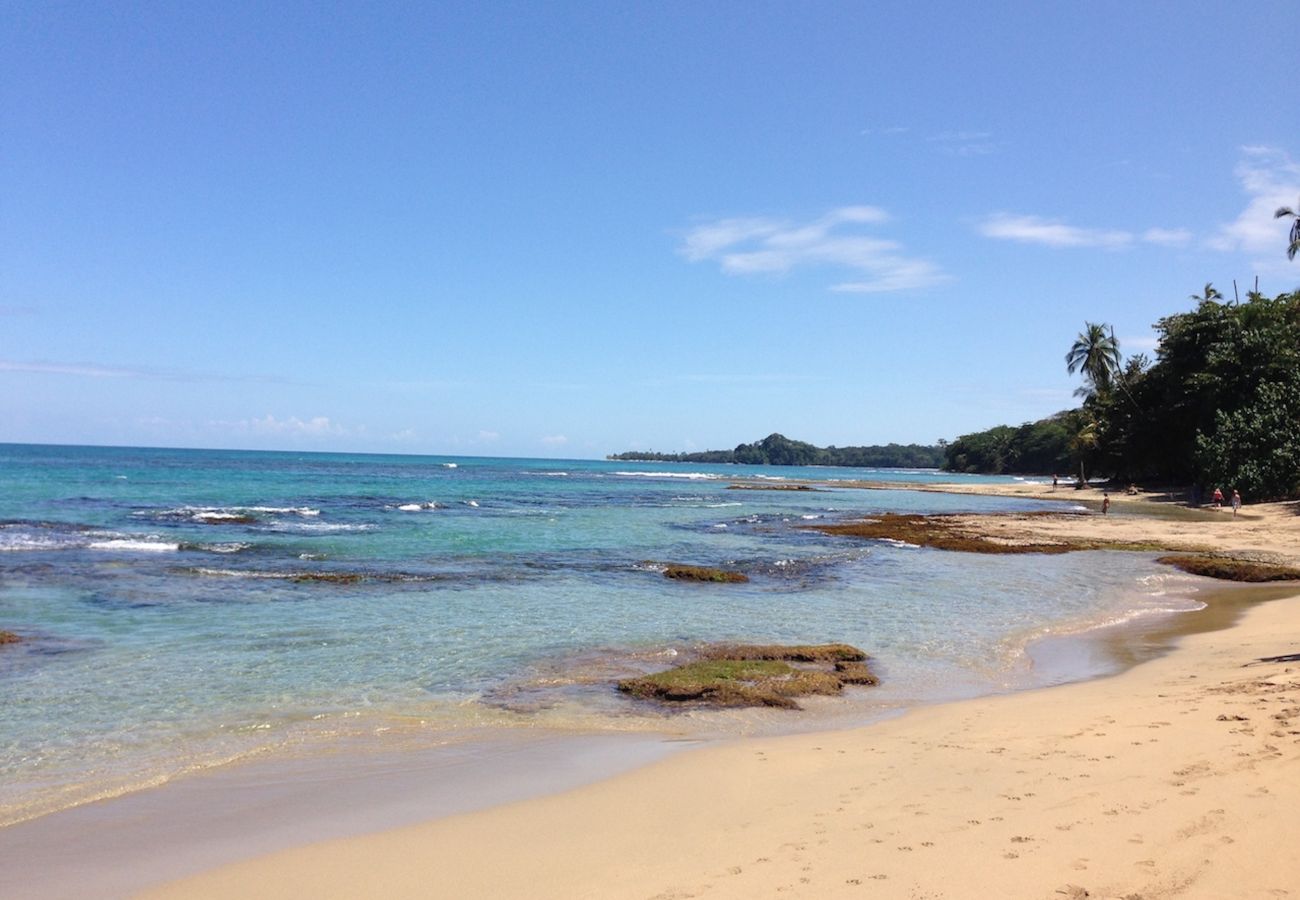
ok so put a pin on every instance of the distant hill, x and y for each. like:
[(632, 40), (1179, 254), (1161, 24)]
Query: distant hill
[(779, 450)]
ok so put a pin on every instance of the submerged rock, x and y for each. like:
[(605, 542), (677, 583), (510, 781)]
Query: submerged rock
[(9, 637), (704, 573), (756, 675)]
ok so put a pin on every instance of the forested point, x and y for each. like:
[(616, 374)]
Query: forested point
[(1219, 406), (779, 450)]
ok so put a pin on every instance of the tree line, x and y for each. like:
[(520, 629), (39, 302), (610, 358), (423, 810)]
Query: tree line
[(1219, 405), (779, 450)]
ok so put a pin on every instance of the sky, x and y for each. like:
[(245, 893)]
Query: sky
[(569, 229)]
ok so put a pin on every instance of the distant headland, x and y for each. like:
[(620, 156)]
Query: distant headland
[(779, 450)]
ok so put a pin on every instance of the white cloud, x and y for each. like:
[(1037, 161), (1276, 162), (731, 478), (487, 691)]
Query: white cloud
[(1269, 178), (1037, 230), (751, 246), (317, 426), (555, 440), (489, 436)]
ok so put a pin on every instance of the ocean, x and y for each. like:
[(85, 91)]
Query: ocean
[(184, 609)]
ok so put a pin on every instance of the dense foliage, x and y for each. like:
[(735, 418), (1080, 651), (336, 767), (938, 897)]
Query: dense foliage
[(779, 450), (1219, 406)]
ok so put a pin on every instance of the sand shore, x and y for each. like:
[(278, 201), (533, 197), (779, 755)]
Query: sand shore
[(1180, 777)]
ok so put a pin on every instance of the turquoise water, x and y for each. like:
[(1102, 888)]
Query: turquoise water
[(182, 608)]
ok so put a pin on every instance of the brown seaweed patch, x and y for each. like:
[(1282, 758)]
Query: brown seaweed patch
[(771, 487), (774, 676), (1228, 569), (328, 578), (790, 653), (940, 532), (953, 531), (9, 637), (704, 573)]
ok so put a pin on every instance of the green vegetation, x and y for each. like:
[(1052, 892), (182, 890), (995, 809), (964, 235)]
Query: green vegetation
[(1293, 239), (779, 450), (1219, 406), (767, 675), (1231, 569), (704, 573)]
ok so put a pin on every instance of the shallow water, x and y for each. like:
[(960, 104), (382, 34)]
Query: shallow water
[(184, 608)]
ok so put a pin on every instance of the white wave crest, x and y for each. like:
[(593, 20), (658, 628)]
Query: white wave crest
[(320, 527), (133, 545), (691, 476)]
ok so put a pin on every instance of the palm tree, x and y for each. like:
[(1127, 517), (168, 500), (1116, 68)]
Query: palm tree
[(1210, 293), (1083, 443), (1286, 212), (1096, 354)]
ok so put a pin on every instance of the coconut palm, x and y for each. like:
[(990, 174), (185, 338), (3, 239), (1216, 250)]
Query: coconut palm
[(1096, 354), (1210, 293), (1286, 212), (1083, 444)]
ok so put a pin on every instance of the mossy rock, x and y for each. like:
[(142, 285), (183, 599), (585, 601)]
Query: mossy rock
[(1227, 569), (328, 578), (704, 573), (9, 637), (944, 532), (772, 676), (788, 653)]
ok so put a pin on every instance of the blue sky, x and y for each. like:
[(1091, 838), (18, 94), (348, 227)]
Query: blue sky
[(568, 229)]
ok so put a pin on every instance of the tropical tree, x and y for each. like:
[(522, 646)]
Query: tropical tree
[(1096, 354), (1083, 445), (1286, 212), (1210, 293)]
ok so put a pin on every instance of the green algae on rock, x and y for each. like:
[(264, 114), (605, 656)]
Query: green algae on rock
[(757, 675), (704, 573)]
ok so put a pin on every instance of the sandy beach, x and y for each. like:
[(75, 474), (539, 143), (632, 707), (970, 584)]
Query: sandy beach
[(1175, 778)]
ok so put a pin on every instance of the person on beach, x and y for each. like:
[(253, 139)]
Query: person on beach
[(1105, 502), (1218, 498), (1236, 502), (1053, 481)]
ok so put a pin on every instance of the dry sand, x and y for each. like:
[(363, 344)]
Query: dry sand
[(1178, 778)]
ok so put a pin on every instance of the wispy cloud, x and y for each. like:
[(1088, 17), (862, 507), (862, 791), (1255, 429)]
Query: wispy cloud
[(767, 246), (1050, 233), (97, 370), (316, 426), (554, 440), (85, 370), (1270, 178), (1055, 233), (965, 143)]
